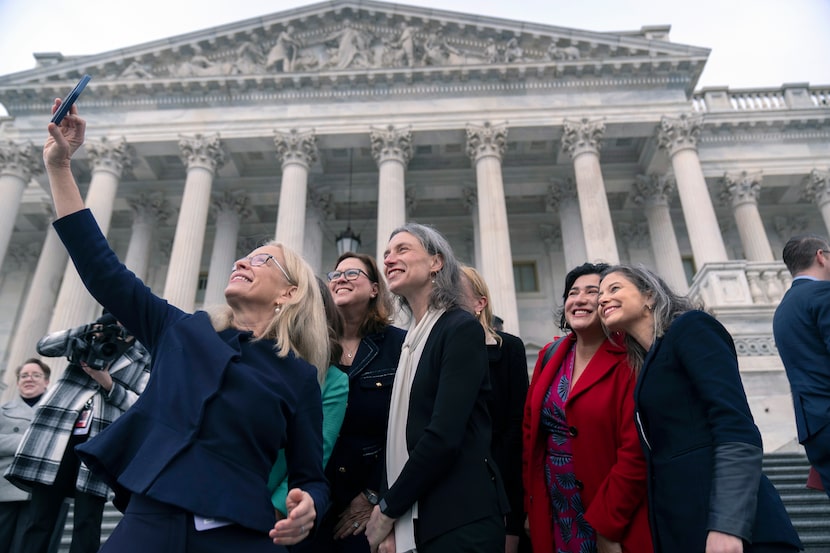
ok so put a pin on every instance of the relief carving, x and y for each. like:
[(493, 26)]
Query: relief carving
[(346, 45)]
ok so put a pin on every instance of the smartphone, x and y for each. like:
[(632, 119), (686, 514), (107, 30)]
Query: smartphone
[(63, 109)]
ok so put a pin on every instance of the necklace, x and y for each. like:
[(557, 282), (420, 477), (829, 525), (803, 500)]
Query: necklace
[(350, 354)]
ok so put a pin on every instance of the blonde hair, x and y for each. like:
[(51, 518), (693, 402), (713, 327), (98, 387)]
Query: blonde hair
[(480, 288), (300, 326)]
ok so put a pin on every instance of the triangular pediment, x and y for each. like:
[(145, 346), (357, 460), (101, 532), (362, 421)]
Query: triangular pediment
[(344, 42)]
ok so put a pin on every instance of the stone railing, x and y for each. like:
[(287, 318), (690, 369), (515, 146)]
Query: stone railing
[(740, 284), (789, 96), (743, 296)]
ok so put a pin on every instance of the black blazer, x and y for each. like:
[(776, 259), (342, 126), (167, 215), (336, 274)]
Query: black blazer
[(690, 405), (802, 336), (449, 471)]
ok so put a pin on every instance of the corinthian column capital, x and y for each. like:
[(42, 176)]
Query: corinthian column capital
[(235, 204), (741, 188), (653, 189), (150, 208), (679, 133), (391, 144), (296, 147), (560, 190), (582, 136), (817, 187), (202, 151), (20, 159), (486, 140), (113, 155)]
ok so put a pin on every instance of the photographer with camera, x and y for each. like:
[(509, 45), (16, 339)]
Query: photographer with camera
[(107, 371)]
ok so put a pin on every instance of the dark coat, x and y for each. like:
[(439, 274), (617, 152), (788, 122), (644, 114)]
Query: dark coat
[(217, 408), (802, 335), (508, 389), (607, 457), (358, 457), (449, 471), (690, 406)]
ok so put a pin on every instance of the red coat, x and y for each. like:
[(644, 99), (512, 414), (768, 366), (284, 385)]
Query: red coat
[(607, 456)]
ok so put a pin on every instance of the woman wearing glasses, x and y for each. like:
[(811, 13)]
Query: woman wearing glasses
[(228, 390), (371, 348)]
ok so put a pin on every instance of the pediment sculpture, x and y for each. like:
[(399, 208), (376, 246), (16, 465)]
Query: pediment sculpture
[(347, 47)]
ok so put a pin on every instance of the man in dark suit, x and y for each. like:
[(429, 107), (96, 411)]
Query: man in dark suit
[(802, 334)]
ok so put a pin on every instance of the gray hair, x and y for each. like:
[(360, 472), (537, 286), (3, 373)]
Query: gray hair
[(446, 288), (666, 307)]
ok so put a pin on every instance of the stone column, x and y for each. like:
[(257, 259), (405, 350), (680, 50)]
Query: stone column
[(320, 209), (148, 213), (817, 190), (562, 198), (552, 238), (109, 158), (33, 321), (228, 208), (652, 193), (18, 163), (678, 136), (581, 140), (297, 151), (742, 192), (471, 205), (392, 150), (203, 156), (485, 146)]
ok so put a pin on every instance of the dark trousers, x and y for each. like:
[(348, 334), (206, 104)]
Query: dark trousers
[(45, 511), (818, 453), (481, 536), (13, 518), (150, 526)]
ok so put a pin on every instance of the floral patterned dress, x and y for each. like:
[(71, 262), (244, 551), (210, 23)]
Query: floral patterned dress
[(571, 532)]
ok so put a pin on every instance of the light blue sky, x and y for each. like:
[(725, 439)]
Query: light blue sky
[(755, 43)]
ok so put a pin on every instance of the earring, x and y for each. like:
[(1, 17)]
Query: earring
[(478, 313), (277, 309)]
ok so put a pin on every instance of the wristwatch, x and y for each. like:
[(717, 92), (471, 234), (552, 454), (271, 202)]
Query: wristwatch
[(371, 496)]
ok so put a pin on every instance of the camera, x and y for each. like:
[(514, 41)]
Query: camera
[(97, 344)]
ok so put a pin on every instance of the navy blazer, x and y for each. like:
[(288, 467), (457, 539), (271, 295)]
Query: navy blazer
[(689, 400), (449, 471), (801, 326), (217, 408)]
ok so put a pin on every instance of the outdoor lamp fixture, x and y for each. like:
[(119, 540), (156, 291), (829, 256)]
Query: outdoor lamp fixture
[(348, 241)]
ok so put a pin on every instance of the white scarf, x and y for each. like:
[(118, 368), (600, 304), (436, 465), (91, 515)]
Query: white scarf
[(397, 454)]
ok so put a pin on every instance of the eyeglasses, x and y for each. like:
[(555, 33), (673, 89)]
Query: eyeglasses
[(262, 259), (350, 274), (33, 376)]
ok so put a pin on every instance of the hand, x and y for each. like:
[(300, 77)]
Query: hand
[(718, 542), (357, 513), (511, 544), (64, 140), (378, 528), (604, 545), (299, 522), (388, 544), (102, 377)]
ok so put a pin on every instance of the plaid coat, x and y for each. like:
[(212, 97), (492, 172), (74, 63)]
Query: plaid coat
[(38, 458)]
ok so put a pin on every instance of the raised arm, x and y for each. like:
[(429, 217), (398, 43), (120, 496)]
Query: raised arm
[(64, 140)]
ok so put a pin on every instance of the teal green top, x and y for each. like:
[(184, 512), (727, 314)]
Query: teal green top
[(335, 394)]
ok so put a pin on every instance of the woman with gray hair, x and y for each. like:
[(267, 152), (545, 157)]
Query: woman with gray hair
[(703, 451), (438, 467)]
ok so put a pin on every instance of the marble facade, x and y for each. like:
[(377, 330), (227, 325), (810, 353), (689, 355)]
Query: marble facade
[(531, 147)]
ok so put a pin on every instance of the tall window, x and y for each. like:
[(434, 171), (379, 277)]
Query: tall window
[(525, 276)]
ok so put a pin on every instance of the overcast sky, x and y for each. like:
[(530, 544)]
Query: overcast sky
[(754, 43)]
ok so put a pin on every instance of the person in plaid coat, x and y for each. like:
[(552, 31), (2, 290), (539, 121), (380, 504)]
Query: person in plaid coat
[(83, 402)]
